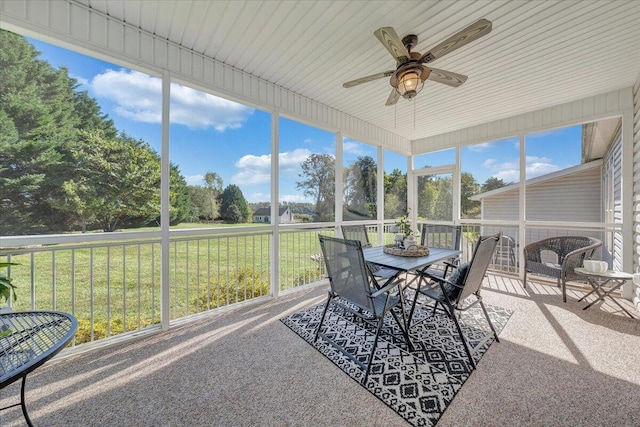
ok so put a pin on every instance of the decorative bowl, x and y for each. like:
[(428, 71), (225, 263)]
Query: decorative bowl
[(595, 266)]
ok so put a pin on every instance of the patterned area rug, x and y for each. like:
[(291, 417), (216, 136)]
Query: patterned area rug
[(419, 384)]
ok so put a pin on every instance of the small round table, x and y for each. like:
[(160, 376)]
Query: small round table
[(27, 340), (598, 280)]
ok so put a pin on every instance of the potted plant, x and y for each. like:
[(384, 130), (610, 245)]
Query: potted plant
[(7, 289), (405, 232)]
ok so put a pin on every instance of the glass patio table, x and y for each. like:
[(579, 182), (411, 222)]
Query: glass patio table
[(27, 340)]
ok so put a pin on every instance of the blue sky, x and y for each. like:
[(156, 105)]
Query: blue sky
[(211, 134)]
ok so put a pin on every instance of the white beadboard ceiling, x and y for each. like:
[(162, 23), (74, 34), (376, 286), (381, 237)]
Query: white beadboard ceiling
[(539, 54)]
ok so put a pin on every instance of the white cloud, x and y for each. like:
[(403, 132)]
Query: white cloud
[(81, 80), (194, 179), (509, 171), (295, 198), (257, 169), (353, 148), (138, 97), (308, 141), (479, 148), (489, 163), (538, 168), (258, 197)]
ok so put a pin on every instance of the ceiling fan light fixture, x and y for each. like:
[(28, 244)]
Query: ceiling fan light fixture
[(410, 83)]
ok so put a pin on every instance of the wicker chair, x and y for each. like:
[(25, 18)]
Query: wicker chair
[(571, 251)]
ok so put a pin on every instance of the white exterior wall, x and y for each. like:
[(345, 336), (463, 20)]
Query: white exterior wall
[(75, 26), (612, 199), (575, 197)]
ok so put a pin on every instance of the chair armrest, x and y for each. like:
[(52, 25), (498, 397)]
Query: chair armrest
[(440, 280), (386, 288), (573, 258)]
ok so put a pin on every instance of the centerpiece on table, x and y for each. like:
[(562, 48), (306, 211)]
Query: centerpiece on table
[(405, 235)]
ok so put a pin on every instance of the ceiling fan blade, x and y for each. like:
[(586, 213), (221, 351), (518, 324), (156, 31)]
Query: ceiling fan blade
[(461, 38), (368, 79), (446, 77), (391, 41), (393, 97)]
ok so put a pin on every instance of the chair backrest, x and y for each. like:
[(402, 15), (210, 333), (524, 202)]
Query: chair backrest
[(356, 232), (348, 274), (441, 236), (482, 256)]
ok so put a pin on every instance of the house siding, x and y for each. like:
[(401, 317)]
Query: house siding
[(612, 199), (575, 197)]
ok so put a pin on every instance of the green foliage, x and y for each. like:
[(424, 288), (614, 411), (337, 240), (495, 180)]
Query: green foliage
[(404, 225), (469, 187), (435, 200), (100, 331), (205, 200), (6, 287), (395, 193), (360, 189), (63, 165), (116, 180), (493, 183), (234, 207), (243, 284), (318, 181)]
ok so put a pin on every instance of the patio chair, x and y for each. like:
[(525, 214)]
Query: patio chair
[(505, 255), (464, 282), (444, 237), (359, 233), (354, 289), (569, 253)]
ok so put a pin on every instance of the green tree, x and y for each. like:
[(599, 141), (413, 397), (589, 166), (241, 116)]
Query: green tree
[(234, 207), (395, 194), (468, 188), (360, 188), (493, 183), (117, 180), (213, 185), (179, 196), (38, 112), (318, 182)]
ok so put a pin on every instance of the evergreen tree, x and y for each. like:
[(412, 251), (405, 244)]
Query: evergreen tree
[(234, 207)]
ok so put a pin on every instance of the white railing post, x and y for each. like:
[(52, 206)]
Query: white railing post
[(522, 205), (380, 195), (275, 204), (164, 203), (339, 185)]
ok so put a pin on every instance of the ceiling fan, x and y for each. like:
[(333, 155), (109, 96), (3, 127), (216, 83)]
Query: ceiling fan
[(410, 73)]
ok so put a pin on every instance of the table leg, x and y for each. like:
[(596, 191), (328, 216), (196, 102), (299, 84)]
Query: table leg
[(606, 293), (22, 403)]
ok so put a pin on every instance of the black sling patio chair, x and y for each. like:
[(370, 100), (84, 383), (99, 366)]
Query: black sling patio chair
[(359, 233), (353, 288), (443, 237), (465, 281)]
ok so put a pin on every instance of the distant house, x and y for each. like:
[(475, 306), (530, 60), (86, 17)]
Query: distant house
[(263, 215)]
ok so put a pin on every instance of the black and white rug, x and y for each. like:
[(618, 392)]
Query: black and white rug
[(419, 384)]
